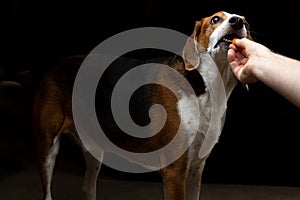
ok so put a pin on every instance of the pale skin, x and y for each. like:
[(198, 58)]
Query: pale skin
[(251, 62)]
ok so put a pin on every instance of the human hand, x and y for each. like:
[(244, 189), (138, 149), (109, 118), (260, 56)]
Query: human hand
[(239, 56)]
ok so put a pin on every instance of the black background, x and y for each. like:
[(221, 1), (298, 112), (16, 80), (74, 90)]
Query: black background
[(259, 143)]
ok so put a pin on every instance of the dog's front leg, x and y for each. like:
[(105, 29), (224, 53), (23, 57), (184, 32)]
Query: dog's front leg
[(193, 182), (173, 178)]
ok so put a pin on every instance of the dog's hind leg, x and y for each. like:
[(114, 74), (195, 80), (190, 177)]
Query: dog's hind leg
[(48, 166), (47, 150), (92, 170), (47, 147), (48, 123)]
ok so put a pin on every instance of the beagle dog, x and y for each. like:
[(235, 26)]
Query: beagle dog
[(204, 51)]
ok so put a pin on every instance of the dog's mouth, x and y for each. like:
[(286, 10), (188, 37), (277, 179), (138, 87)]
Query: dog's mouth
[(227, 39)]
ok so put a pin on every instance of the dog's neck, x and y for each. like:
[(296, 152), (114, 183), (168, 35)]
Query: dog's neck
[(219, 60)]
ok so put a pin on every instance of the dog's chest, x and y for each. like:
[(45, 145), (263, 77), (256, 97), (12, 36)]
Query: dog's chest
[(194, 113)]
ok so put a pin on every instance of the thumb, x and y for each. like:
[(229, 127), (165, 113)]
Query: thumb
[(241, 43)]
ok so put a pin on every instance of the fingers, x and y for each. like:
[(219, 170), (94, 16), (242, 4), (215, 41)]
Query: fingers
[(238, 58), (230, 55), (235, 59), (232, 46), (239, 46), (241, 43)]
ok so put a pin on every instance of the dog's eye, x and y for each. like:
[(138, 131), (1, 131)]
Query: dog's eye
[(215, 19)]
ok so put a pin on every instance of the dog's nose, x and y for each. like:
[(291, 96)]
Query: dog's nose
[(236, 22)]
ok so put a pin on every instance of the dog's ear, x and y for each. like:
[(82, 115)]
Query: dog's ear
[(191, 51), (247, 28)]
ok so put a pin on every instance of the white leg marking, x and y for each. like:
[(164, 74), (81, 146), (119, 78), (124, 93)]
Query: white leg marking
[(49, 165)]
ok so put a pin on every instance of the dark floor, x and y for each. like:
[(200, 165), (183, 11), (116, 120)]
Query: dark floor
[(19, 180), (25, 185)]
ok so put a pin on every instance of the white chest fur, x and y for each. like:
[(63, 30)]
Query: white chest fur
[(203, 114), (195, 115), (194, 112)]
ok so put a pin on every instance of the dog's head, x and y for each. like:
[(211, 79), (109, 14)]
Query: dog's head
[(214, 34)]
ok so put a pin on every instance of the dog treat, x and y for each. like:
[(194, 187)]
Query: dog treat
[(234, 41)]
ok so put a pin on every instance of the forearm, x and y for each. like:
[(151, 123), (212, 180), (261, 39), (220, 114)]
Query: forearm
[(282, 74)]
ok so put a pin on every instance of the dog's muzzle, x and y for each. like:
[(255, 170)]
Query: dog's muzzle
[(236, 23)]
